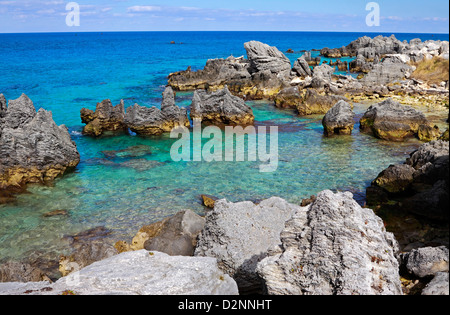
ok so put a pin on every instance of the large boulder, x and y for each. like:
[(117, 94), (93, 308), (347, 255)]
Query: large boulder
[(239, 235), (33, 149), (314, 103), (290, 97), (220, 108), (339, 120), (333, 247), (389, 120), (105, 118), (137, 273), (419, 186), (155, 121), (263, 57)]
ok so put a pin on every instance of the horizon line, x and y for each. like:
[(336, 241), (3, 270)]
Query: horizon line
[(235, 31)]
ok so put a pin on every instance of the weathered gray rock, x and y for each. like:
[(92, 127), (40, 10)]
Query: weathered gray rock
[(438, 286), (333, 247), (340, 119), (239, 235), (33, 149), (220, 108), (2, 105), (263, 57), (389, 120), (322, 76), (155, 121), (387, 72), (426, 261), (137, 273), (301, 68)]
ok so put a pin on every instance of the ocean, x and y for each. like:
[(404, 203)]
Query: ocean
[(64, 72)]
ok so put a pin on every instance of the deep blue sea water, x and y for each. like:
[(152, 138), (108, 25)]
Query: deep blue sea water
[(68, 71)]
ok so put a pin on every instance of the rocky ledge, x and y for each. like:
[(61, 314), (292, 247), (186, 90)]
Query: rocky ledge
[(33, 149)]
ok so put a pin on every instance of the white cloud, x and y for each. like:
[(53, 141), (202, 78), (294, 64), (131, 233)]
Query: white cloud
[(143, 8)]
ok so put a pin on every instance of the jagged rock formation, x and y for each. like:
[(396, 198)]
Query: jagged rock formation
[(420, 186), (389, 120), (105, 118), (220, 108), (262, 75), (154, 121), (339, 119), (333, 247), (33, 149), (314, 103)]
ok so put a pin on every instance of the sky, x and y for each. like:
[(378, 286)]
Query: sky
[(400, 16)]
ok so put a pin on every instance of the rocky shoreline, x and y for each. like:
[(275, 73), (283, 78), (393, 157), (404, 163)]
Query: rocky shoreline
[(329, 245)]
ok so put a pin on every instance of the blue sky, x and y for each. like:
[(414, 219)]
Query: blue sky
[(402, 16)]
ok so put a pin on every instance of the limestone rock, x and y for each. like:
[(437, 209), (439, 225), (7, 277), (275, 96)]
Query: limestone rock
[(262, 57), (427, 261), (289, 98), (314, 103), (333, 247), (33, 149), (389, 120), (155, 121), (220, 108), (339, 119), (137, 273), (301, 68), (239, 235), (105, 118), (438, 286)]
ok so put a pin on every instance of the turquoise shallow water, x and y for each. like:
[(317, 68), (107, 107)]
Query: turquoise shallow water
[(125, 191)]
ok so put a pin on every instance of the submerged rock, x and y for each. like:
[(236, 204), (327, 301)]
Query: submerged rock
[(105, 118), (239, 235), (220, 108), (137, 273), (33, 149), (339, 119), (389, 120), (333, 247), (154, 121)]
